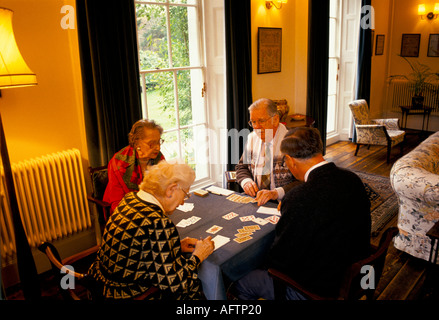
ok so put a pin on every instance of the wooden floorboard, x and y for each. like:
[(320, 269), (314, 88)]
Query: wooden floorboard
[(404, 277)]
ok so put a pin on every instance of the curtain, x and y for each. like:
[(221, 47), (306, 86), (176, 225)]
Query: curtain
[(110, 72), (239, 68), (364, 62), (318, 55)]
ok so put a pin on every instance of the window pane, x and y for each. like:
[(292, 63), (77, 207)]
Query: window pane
[(160, 98), (332, 77), (332, 38), (184, 36), (331, 114), (194, 150), (190, 101), (153, 43), (170, 147)]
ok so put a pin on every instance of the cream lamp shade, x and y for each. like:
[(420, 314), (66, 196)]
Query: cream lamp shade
[(14, 71)]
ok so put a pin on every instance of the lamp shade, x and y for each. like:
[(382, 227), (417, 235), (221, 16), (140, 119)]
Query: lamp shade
[(436, 8), (14, 71), (421, 9)]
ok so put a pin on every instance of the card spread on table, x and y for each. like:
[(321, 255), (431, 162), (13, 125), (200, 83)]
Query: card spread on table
[(214, 229), (187, 222), (230, 215), (245, 233), (185, 207), (247, 218), (220, 241), (240, 199)]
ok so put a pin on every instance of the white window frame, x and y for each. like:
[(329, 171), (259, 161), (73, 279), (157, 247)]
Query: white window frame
[(212, 148)]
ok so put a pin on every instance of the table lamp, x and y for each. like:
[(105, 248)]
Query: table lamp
[(15, 73)]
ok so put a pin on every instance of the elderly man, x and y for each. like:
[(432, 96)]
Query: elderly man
[(261, 171), (324, 226)]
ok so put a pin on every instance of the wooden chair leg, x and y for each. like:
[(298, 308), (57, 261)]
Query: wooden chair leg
[(356, 150)]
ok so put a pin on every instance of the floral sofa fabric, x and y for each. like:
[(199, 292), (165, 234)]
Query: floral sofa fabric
[(415, 180), (374, 131)]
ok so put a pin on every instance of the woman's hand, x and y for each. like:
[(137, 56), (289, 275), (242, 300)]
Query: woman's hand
[(204, 248), (188, 244)]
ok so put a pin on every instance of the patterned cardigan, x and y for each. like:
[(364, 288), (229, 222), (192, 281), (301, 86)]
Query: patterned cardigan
[(245, 169), (141, 248)]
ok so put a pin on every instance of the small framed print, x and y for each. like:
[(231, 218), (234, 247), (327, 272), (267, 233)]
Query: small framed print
[(410, 44), (269, 50), (433, 46), (379, 47)]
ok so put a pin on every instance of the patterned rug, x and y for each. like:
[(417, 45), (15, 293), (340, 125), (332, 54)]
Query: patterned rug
[(384, 204)]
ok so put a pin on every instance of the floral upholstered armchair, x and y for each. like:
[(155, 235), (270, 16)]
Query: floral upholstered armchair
[(415, 180), (382, 132)]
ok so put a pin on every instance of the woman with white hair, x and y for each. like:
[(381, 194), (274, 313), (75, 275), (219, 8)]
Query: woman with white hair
[(141, 247)]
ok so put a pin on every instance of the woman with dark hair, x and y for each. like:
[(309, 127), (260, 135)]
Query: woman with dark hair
[(126, 168)]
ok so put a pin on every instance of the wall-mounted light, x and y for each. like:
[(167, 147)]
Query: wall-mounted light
[(277, 4), (422, 11)]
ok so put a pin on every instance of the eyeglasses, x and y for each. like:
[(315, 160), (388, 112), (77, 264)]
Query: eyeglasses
[(259, 122), (187, 195), (155, 143)]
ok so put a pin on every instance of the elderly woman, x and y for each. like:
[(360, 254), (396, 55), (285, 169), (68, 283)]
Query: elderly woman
[(141, 246), (126, 167)]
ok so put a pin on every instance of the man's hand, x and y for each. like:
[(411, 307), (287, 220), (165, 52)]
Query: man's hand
[(251, 188), (264, 196)]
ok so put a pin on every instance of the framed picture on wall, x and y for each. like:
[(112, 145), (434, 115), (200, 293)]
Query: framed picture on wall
[(433, 46), (269, 50), (410, 44), (379, 47)]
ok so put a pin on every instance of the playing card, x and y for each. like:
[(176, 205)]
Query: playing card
[(247, 218), (243, 234), (251, 228), (272, 219), (183, 223), (230, 215), (220, 241), (260, 221), (242, 239), (193, 219), (214, 229)]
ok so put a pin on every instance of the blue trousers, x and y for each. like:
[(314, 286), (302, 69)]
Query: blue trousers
[(259, 284)]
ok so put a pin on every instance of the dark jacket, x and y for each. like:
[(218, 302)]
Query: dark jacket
[(324, 227)]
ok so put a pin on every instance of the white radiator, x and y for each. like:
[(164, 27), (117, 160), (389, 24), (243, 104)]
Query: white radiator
[(51, 197), (401, 95)]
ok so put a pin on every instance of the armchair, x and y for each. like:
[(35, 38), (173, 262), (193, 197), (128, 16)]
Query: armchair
[(382, 132)]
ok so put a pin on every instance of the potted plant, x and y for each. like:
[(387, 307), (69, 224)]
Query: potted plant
[(419, 80)]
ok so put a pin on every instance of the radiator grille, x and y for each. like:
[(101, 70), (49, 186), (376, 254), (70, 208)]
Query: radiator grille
[(401, 95), (51, 197)]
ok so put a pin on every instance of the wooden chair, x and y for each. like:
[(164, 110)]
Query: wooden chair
[(382, 132), (351, 288), (85, 286), (99, 181)]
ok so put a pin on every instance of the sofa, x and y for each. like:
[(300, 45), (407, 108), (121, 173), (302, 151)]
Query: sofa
[(415, 180)]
